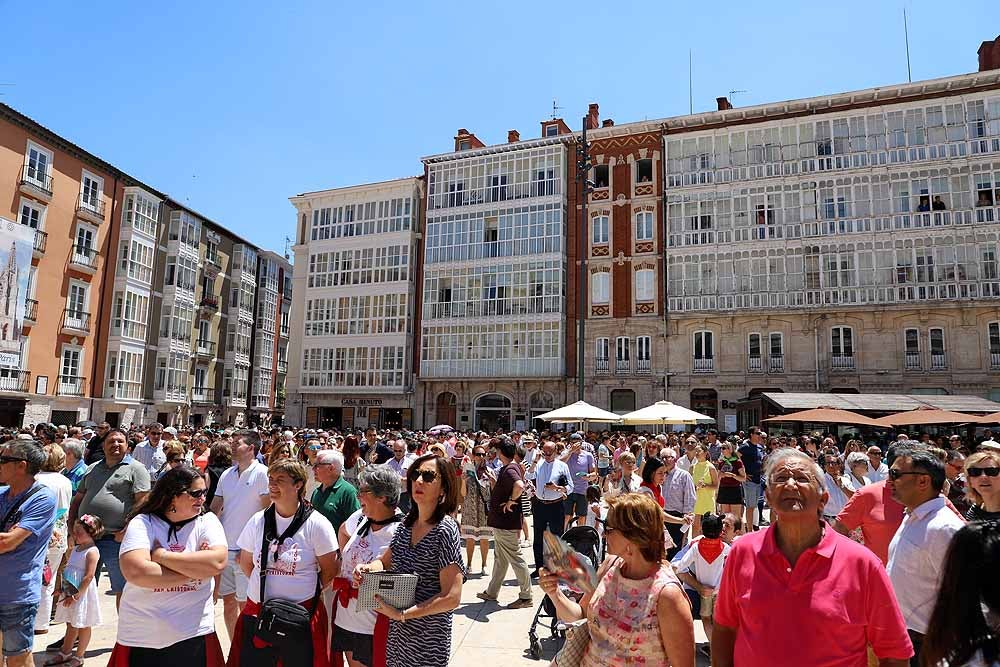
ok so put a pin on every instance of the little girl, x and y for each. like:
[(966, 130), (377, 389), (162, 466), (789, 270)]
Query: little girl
[(80, 608)]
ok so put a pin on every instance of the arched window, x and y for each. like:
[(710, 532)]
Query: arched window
[(493, 413)]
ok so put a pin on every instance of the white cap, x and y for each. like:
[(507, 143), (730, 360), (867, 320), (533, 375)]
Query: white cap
[(171, 430)]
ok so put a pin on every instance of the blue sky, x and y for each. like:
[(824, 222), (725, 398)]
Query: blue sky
[(232, 107)]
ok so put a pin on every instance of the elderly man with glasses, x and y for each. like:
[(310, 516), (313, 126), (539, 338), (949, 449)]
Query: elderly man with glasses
[(335, 497), (799, 568), (553, 484)]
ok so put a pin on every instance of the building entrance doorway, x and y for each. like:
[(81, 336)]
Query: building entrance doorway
[(492, 413)]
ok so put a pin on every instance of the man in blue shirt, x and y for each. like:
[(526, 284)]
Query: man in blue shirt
[(752, 455), (583, 470), (27, 515), (75, 468)]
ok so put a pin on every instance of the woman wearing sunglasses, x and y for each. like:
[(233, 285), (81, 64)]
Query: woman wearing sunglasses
[(982, 486), (427, 545), (170, 556)]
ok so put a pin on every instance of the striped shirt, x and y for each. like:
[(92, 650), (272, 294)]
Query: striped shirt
[(678, 491)]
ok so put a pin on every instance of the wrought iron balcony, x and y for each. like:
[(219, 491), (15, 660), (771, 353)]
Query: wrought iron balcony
[(704, 365), (939, 362), (912, 361), (204, 348), (30, 311), (755, 364), (90, 208), (35, 182), (994, 360), (282, 366), (209, 302), (842, 362), (83, 258), (75, 322), (776, 364), (601, 366), (623, 366), (14, 379), (71, 385), (643, 366)]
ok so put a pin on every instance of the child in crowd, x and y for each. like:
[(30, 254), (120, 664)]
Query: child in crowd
[(596, 510), (79, 606), (701, 566)]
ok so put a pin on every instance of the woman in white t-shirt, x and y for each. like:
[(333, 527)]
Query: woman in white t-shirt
[(51, 477), (170, 556), (364, 536), (298, 565)]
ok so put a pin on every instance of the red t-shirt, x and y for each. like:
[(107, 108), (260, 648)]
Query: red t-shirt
[(836, 600), (734, 466), (878, 514)]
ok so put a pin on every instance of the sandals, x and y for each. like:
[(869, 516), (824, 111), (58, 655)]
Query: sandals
[(60, 658)]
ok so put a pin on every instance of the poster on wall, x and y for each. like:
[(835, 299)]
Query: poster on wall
[(16, 243)]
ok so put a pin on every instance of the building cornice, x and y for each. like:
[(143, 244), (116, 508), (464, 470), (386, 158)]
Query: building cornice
[(501, 148)]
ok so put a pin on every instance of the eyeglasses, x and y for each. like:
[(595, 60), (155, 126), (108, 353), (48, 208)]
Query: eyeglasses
[(989, 472), (196, 493), (426, 476), (10, 459), (479, 453), (896, 474)]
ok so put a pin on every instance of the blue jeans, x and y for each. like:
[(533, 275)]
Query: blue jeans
[(108, 547), (17, 623)]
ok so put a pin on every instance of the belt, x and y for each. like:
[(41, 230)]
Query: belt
[(548, 502)]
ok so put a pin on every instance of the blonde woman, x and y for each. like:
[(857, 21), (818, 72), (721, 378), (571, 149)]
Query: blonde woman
[(706, 484), (982, 485)]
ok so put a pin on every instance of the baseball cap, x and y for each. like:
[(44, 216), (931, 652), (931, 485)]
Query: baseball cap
[(575, 437), (527, 437), (171, 430)]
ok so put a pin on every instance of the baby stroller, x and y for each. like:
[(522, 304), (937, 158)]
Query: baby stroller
[(585, 540)]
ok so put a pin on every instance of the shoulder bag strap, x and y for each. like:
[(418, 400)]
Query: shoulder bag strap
[(270, 535), (17, 505)]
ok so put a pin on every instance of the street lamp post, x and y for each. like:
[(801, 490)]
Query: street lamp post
[(582, 173)]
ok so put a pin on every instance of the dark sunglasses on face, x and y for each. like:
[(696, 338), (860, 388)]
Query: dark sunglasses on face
[(10, 459), (426, 476), (896, 474), (199, 493), (989, 472)]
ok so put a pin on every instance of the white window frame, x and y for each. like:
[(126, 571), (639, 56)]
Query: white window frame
[(930, 339), (635, 171), (781, 344), (86, 226), (906, 349), (84, 176), (645, 285), (644, 219), (602, 345), (604, 237), (86, 294), (705, 353), (552, 130), (49, 157), (35, 206), (67, 347), (643, 348), (760, 344), (623, 348), (600, 290), (842, 328)]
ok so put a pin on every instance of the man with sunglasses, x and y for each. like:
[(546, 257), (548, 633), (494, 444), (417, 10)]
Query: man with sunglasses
[(917, 551), (553, 484), (27, 513), (149, 452)]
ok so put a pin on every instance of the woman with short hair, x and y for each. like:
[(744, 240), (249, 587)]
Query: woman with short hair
[(638, 613), (52, 477), (299, 563), (427, 545), (170, 556), (982, 486), (361, 635)]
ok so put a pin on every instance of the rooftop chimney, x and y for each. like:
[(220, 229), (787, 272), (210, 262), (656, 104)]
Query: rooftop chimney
[(607, 122), (513, 136), (989, 55), (465, 140), (723, 103), (593, 116)]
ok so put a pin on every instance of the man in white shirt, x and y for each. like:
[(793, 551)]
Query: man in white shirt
[(149, 452), (241, 493), (917, 551), (400, 464), (690, 457), (877, 469), (553, 484)]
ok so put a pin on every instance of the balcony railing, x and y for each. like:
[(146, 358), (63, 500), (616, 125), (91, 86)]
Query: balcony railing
[(260, 402), (912, 361), (83, 257), (283, 332), (14, 379), (994, 360), (209, 302), (643, 366), (842, 362), (205, 348), (41, 240), (76, 321), (30, 310), (623, 366), (91, 209), (35, 181), (776, 364), (71, 385), (602, 366), (213, 258), (939, 362), (704, 365), (202, 394), (755, 364), (282, 366)]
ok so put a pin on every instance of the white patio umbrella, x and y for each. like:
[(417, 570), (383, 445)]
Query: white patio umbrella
[(581, 411), (665, 412)]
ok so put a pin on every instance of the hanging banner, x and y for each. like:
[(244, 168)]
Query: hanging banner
[(16, 244)]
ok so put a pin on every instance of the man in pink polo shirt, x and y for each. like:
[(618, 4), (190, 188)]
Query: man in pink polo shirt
[(800, 578)]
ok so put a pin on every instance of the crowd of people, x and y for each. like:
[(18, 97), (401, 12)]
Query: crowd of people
[(842, 542)]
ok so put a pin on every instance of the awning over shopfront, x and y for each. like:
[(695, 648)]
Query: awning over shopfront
[(879, 403)]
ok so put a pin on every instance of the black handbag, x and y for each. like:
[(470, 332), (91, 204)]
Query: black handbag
[(282, 623)]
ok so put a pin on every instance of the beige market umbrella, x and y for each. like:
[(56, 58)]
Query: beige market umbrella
[(828, 416), (928, 416), (581, 411), (665, 412)]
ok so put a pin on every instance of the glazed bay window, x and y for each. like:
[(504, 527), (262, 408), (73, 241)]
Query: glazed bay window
[(842, 348), (495, 349), (130, 315), (643, 357), (623, 357), (137, 260), (124, 375), (141, 213), (601, 356), (703, 351)]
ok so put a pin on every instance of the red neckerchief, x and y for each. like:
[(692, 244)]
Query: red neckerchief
[(710, 549), (656, 492)]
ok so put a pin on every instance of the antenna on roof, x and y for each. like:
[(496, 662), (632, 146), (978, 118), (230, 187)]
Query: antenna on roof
[(555, 109), (736, 92), (906, 37), (288, 242), (690, 81)]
